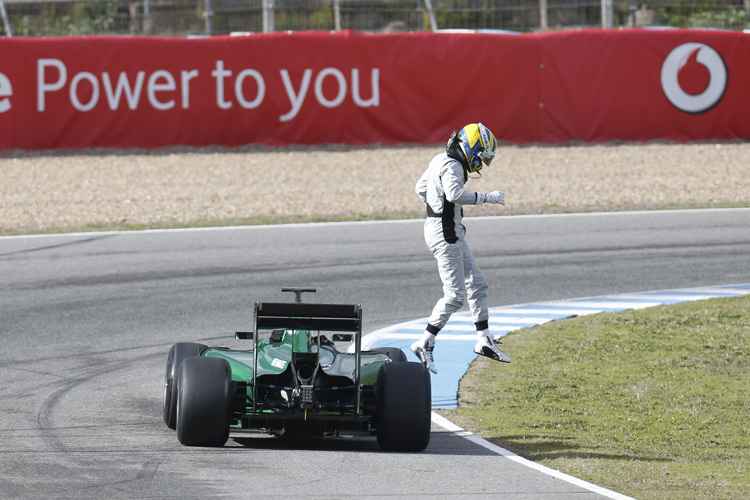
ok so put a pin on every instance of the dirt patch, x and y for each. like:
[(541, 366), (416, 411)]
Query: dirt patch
[(77, 189)]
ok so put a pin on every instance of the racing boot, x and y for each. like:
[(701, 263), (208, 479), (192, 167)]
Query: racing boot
[(423, 349), (485, 346)]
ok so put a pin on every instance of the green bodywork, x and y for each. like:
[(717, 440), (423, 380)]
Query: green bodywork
[(274, 358)]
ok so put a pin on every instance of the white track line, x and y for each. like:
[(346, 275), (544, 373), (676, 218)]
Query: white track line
[(451, 427), (257, 227)]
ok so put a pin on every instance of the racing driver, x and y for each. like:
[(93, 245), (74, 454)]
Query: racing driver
[(441, 189)]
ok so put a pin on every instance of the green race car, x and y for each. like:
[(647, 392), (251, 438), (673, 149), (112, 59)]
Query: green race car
[(298, 379)]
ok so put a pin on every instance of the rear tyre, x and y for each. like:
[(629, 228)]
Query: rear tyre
[(404, 407), (203, 398), (177, 353), (396, 354)]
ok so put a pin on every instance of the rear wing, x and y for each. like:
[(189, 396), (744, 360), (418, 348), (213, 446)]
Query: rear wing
[(304, 316)]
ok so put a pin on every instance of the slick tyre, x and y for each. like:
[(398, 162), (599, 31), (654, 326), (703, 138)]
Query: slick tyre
[(396, 354), (404, 407), (177, 353), (203, 397)]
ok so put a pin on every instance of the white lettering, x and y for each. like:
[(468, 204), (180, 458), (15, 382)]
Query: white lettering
[(154, 87), (319, 87), (295, 99), (241, 95), (158, 81), (6, 90), (375, 99), (185, 81), (42, 87), (249, 88), (123, 85), (84, 75), (220, 73)]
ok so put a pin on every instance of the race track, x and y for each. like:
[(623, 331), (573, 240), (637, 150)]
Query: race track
[(87, 320)]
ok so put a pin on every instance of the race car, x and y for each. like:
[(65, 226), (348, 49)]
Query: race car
[(305, 374)]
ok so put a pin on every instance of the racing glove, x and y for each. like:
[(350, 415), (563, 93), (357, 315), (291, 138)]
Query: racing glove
[(497, 197)]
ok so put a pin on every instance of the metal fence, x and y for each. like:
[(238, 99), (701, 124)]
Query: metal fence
[(215, 17)]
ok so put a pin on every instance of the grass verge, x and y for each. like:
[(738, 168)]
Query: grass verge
[(654, 403)]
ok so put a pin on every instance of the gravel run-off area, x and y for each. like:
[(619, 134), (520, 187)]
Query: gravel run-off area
[(174, 187)]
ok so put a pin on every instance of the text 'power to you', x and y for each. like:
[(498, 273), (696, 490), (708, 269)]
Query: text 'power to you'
[(164, 90)]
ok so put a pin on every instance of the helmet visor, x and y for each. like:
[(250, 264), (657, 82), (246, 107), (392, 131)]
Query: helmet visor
[(487, 155), (489, 143)]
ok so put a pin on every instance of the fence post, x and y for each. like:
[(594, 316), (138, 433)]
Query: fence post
[(6, 24), (607, 13), (337, 15), (433, 22), (146, 28), (543, 14), (269, 19), (209, 15)]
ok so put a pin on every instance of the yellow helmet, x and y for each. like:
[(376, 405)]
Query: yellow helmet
[(478, 144)]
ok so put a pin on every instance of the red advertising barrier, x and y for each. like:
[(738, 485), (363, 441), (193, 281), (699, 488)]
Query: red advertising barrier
[(639, 85), (354, 88)]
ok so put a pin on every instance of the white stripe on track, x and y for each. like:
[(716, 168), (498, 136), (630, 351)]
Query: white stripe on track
[(451, 427)]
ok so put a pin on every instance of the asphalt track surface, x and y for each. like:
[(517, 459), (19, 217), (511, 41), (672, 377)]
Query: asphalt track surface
[(87, 319)]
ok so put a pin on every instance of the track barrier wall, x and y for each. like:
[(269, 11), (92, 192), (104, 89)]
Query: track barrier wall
[(353, 88)]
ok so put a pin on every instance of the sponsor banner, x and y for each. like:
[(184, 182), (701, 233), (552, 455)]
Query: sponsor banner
[(274, 89), (354, 88), (640, 85)]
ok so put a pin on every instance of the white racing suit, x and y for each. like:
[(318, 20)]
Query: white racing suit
[(441, 188)]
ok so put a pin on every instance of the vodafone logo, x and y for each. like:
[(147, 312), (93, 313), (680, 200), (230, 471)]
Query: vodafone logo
[(694, 77)]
